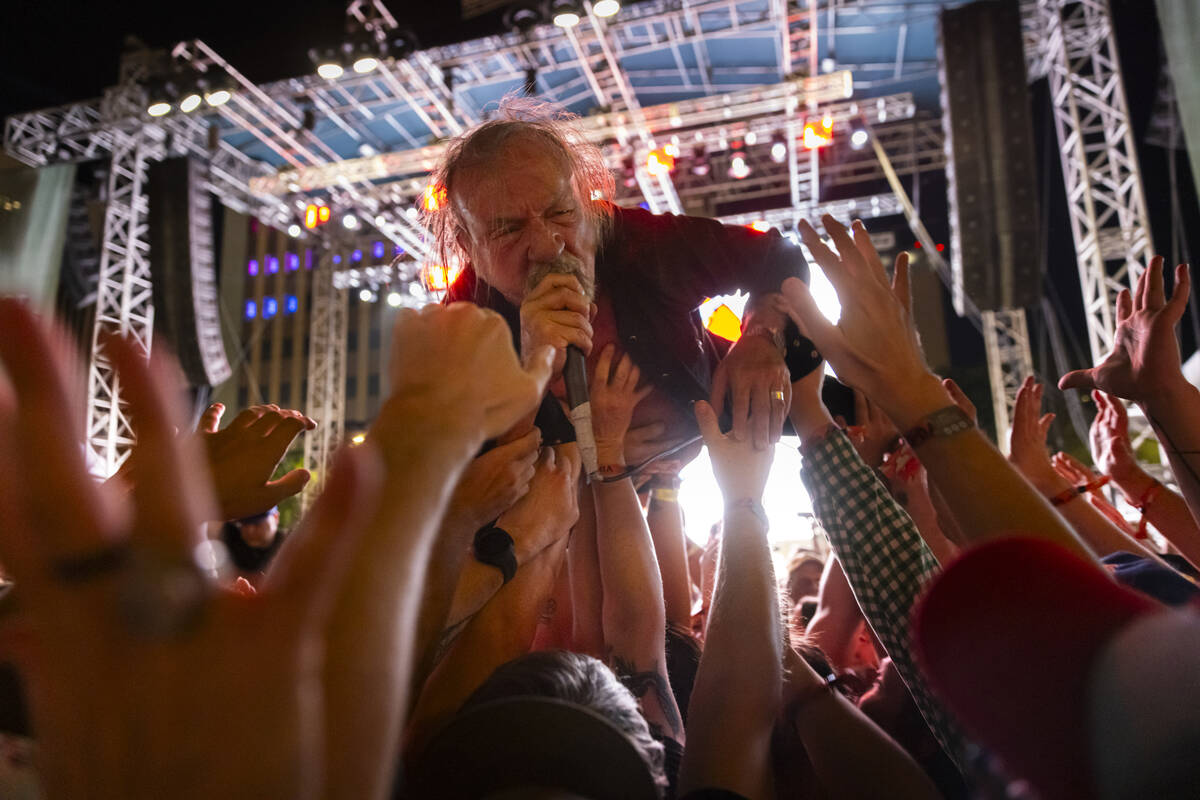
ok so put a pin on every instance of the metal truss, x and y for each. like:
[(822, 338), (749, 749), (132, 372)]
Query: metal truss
[(1009, 360), (1077, 52), (1099, 160), (326, 400), (124, 302)]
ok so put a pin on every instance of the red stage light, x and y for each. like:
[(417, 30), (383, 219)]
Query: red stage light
[(760, 225), (659, 162), (815, 138), (940, 247)]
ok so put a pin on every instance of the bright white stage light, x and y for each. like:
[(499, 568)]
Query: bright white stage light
[(293, 230), (350, 221), (366, 64), (859, 138), (394, 299), (158, 109), (190, 103), (330, 70), (218, 98), (606, 8), (567, 19), (779, 152), (367, 296)]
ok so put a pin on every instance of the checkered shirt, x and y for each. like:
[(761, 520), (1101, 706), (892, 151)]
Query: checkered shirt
[(885, 560)]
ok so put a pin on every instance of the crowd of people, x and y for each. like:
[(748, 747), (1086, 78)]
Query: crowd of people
[(467, 612)]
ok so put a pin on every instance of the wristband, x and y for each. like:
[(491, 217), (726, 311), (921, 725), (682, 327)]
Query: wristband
[(664, 495), (1095, 485), (946, 421), (1143, 504), (608, 470)]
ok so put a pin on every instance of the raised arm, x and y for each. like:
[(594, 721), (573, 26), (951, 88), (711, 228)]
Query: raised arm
[(874, 347), (633, 615), (736, 697), (1162, 507)]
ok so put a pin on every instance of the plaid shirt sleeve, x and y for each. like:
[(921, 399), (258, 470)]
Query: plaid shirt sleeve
[(885, 560)]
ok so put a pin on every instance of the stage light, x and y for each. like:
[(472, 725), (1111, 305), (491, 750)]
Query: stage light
[(827, 122), (291, 305), (828, 64), (779, 151), (218, 97), (293, 230), (158, 109), (252, 267), (432, 197), (659, 162), (751, 138), (251, 309), (725, 323), (358, 438), (270, 307), (330, 70), (439, 278), (394, 299), (292, 262), (859, 138), (377, 250), (738, 168), (760, 225), (814, 137), (322, 214), (700, 165), (367, 296), (356, 256), (606, 8), (190, 103), (350, 222), (272, 265), (365, 64), (565, 13), (310, 216), (524, 16)]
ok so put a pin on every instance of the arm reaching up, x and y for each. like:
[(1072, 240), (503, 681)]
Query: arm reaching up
[(736, 697)]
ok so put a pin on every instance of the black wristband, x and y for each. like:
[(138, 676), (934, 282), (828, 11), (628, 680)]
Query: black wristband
[(494, 547)]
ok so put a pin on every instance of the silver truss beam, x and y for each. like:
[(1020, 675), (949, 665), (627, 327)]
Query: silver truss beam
[(1077, 52), (124, 302), (326, 401), (1009, 361)]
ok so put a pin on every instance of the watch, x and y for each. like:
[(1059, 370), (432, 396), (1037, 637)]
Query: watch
[(494, 547), (943, 422)]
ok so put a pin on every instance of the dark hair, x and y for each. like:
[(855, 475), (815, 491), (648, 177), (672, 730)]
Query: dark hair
[(578, 679)]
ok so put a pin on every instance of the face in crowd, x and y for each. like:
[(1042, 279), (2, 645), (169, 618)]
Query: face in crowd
[(522, 218)]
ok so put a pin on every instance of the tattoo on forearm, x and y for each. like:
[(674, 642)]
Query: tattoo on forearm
[(641, 682)]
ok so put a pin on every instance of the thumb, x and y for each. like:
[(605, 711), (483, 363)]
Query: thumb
[(802, 308), (1078, 379), (210, 420), (706, 418), (289, 485)]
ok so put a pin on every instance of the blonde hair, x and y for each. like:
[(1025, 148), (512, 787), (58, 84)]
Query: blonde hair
[(480, 147)]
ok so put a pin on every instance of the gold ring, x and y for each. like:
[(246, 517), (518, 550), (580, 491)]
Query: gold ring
[(777, 395)]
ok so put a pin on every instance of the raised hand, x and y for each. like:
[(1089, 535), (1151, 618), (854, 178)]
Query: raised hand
[(556, 313), (116, 601), (454, 367), (551, 506), (741, 468), (874, 345), (1145, 360), (492, 482), (1080, 474), (1027, 441), (614, 395), (1109, 439), (243, 456), (756, 378)]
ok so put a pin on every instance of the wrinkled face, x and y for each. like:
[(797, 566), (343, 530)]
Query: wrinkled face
[(522, 216)]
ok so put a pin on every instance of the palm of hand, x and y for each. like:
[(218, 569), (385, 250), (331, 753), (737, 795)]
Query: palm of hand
[(242, 459)]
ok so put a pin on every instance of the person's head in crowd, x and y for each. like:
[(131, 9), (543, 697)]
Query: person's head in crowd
[(803, 611), (594, 717), (252, 542), (803, 574), (522, 199)]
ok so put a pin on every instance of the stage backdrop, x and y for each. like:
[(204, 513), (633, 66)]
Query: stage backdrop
[(33, 221), (1180, 20)]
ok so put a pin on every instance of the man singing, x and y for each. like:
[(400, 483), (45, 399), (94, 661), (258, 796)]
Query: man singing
[(527, 212)]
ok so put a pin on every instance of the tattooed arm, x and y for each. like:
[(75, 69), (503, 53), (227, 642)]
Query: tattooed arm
[(632, 611)]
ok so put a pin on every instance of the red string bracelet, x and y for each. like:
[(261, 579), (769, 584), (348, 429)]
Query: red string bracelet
[(1065, 496), (1143, 503)]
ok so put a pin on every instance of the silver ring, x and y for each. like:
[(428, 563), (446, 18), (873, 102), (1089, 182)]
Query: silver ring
[(162, 599), (777, 395), (74, 570)]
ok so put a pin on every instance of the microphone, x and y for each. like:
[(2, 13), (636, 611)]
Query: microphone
[(575, 378)]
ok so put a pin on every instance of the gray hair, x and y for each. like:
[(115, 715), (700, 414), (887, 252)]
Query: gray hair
[(516, 117)]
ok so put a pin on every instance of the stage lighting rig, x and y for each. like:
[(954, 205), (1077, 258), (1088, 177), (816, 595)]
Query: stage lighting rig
[(606, 8), (524, 16), (329, 61), (566, 13)]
